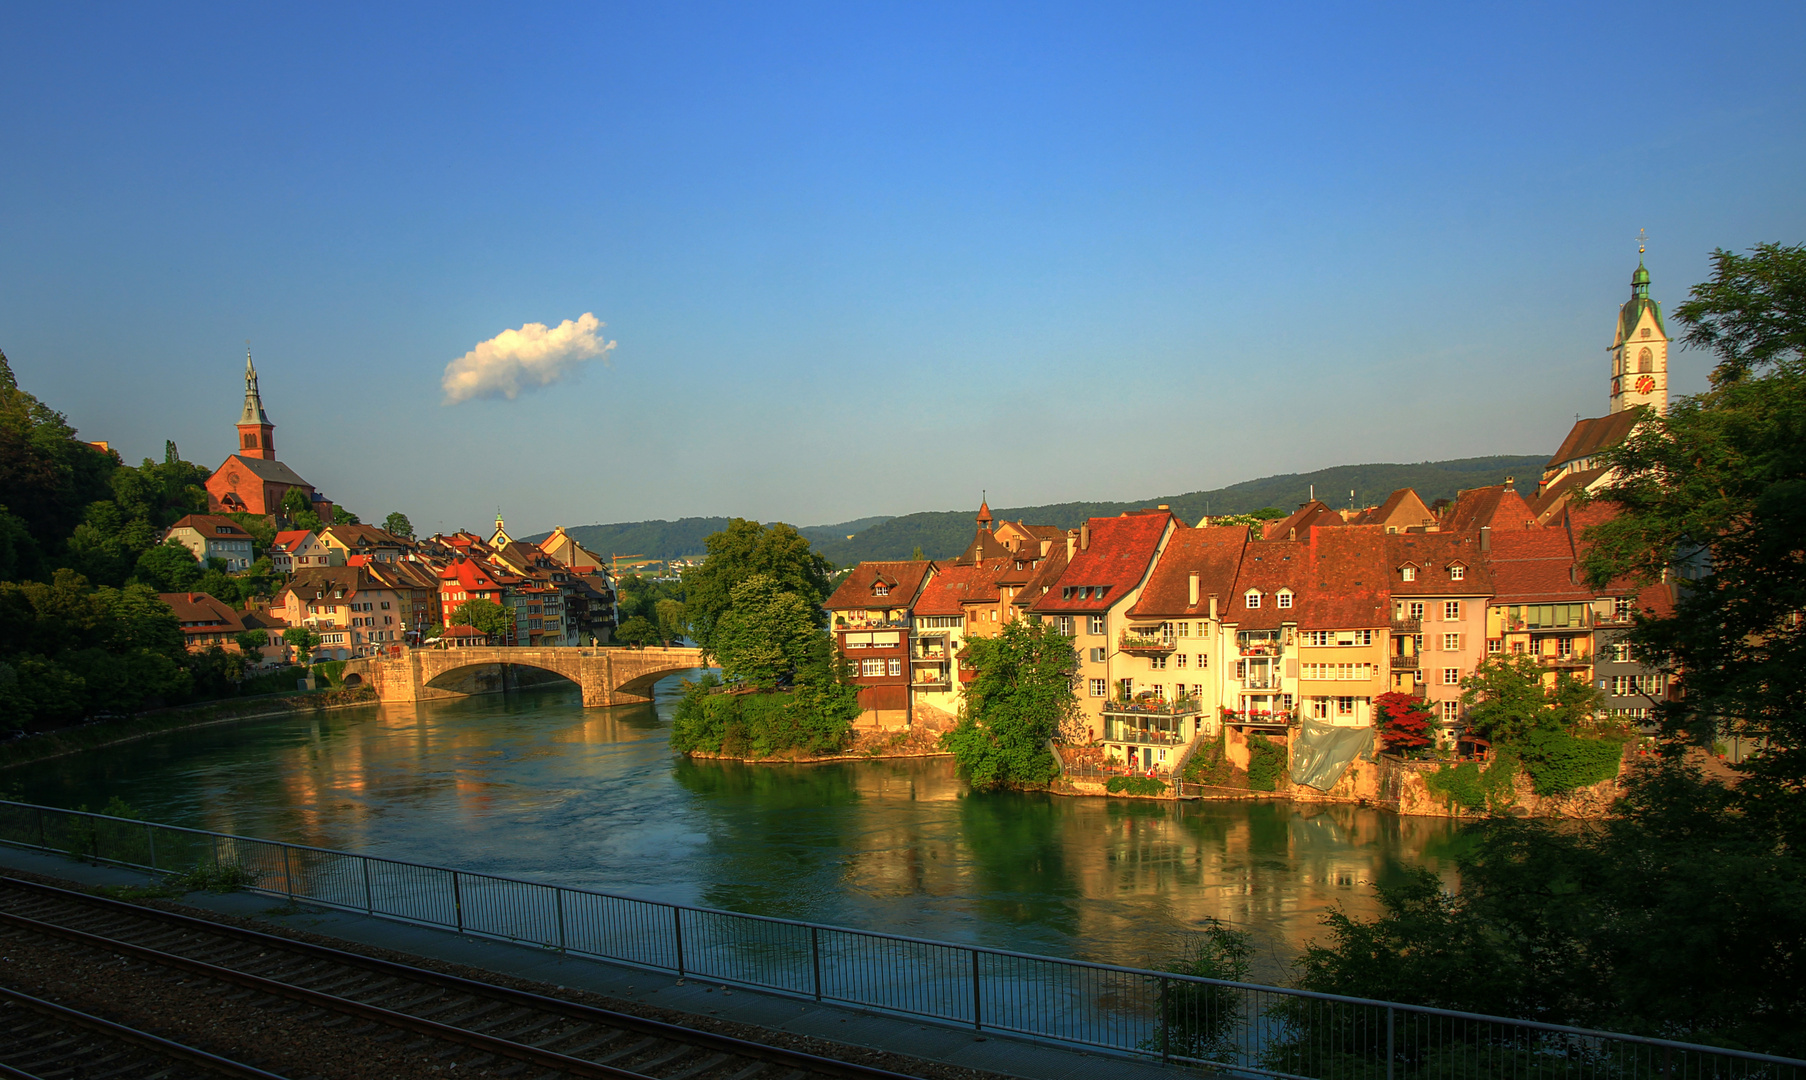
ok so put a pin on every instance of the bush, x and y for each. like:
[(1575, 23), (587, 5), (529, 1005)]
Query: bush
[(331, 672), (273, 682), (221, 878), (1559, 763), (1266, 763), (1473, 788), (807, 720), (1200, 1021), (1134, 785)]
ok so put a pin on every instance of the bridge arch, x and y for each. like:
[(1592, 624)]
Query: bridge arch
[(607, 676)]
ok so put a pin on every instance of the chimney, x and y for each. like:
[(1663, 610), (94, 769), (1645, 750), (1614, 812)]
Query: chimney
[(1163, 506), (1213, 607), (1194, 589), (1071, 541), (1510, 480), (1486, 538), (1085, 537)]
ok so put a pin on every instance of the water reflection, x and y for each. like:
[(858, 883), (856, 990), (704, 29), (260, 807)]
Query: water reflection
[(533, 785)]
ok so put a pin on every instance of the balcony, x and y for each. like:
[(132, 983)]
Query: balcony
[(1145, 646), (926, 656), (1146, 738), (872, 624), (1281, 718), (1407, 626), (1404, 663), (1574, 660), (1262, 648), (931, 682), (1261, 682), (1153, 707)]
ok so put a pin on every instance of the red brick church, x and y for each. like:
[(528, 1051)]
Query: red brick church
[(252, 480)]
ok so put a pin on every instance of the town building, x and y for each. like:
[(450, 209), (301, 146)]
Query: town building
[(354, 611), (464, 579), (251, 480), (206, 622), (346, 540), (869, 616), (1440, 586), (214, 536), (299, 549)]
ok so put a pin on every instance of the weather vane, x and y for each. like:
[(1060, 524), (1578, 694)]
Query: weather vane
[(1642, 241)]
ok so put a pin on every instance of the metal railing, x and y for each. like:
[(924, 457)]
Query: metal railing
[(1243, 1027)]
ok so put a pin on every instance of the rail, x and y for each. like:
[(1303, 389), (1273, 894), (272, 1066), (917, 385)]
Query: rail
[(1243, 1027)]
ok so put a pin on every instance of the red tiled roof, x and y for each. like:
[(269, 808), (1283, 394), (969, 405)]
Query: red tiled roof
[(1120, 553), (1531, 565), (1295, 524), (944, 591), (1336, 574), (1214, 553), (291, 540), (1403, 509), (215, 526), (1552, 498), (904, 581), (200, 607), (1498, 507), (1589, 437), (1433, 554)]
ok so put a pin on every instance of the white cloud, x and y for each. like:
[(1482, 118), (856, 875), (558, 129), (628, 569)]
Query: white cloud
[(516, 360)]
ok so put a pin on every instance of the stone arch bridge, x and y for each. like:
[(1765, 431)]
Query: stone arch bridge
[(608, 676)]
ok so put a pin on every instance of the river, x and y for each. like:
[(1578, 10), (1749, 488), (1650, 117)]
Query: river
[(534, 786)]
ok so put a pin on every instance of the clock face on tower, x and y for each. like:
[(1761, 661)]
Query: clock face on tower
[(1645, 385)]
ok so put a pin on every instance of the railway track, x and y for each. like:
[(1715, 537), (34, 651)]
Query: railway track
[(472, 1022), (40, 1038)]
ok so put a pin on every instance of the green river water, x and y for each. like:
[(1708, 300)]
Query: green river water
[(532, 785)]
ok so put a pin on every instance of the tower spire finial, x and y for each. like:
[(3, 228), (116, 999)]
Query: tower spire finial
[(1642, 242)]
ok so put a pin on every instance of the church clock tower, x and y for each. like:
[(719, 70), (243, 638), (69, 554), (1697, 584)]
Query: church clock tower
[(256, 435), (1640, 351)]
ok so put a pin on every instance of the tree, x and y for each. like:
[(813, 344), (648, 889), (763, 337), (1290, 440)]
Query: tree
[(342, 516), (637, 630), (251, 642), (47, 475), (765, 635), (1506, 699), (669, 615), (1404, 721), (304, 641), (738, 552), (298, 507), (1021, 692), (398, 523), (488, 616), (168, 567), (1713, 498)]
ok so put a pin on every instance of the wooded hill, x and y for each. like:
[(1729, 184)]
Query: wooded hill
[(942, 534)]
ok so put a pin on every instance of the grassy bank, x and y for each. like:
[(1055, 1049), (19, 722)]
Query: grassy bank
[(73, 740)]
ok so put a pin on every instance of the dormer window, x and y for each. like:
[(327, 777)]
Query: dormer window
[(880, 589), (1251, 598), (1284, 598), (1407, 573), (1457, 572)]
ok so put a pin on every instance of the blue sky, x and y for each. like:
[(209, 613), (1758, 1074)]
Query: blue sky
[(862, 259)]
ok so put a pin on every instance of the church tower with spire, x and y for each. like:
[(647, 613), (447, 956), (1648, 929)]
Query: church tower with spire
[(256, 435), (1640, 350)]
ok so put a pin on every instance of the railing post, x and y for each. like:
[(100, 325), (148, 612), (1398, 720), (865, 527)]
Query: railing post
[(1391, 1015), (150, 838), (458, 901), (288, 874), (977, 1009), (815, 957), (1165, 1020), (369, 897), (43, 837), (558, 897), (677, 921)]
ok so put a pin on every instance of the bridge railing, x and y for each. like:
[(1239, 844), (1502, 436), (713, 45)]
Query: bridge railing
[(1239, 1027)]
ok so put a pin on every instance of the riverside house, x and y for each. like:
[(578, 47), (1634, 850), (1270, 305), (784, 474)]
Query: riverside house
[(869, 615)]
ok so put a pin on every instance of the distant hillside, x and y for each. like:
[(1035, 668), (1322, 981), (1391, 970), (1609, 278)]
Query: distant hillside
[(945, 533)]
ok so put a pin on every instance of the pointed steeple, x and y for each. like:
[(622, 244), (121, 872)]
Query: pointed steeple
[(256, 435), (984, 514), (253, 413)]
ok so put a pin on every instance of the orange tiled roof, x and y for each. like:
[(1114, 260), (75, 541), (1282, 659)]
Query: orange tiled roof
[(1118, 557), (902, 581)]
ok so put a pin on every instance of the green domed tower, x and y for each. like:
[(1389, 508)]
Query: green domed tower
[(1640, 350)]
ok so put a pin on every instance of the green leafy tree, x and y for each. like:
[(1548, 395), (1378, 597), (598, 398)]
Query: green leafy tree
[(1506, 698), (251, 642), (342, 516), (169, 568), (47, 475), (303, 641), (669, 614), (738, 552), (298, 508), (398, 523), (766, 634), (1200, 1020), (1019, 694), (489, 617), (638, 630), (1716, 490)]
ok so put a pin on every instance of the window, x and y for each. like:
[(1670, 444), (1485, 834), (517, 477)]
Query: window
[(1285, 598), (1252, 598), (1407, 573), (1203, 660), (1415, 607), (896, 665), (1320, 708), (1451, 676), (870, 668), (1451, 643), (1063, 625), (1098, 591), (1517, 648), (1097, 656), (1621, 685), (1451, 711), (880, 589), (1095, 626), (1494, 645), (1621, 652), (1316, 637), (1451, 611), (1184, 629), (1127, 686), (1157, 663), (1457, 572), (1564, 646), (1099, 688), (1241, 669), (1621, 608), (1345, 706), (1336, 672)]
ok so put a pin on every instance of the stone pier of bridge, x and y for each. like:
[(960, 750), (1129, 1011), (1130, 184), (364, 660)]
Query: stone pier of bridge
[(607, 675)]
